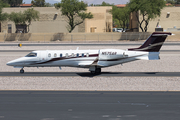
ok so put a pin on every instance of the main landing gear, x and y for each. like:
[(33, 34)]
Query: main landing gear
[(97, 71), (22, 70)]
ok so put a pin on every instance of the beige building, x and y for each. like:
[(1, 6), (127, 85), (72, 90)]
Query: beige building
[(133, 24), (51, 21), (102, 21), (169, 20)]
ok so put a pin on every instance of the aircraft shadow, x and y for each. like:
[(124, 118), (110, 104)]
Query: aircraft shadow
[(88, 74), (110, 74)]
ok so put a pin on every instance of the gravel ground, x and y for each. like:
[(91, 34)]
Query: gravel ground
[(91, 84), (168, 63)]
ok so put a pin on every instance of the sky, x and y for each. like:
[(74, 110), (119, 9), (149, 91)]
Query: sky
[(88, 1)]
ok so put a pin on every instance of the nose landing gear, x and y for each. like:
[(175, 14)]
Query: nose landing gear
[(22, 70)]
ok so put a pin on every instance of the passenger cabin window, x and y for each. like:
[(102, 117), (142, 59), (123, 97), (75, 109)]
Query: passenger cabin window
[(61, 55), (77, 55), (55, 55), (82, 54), (87, 55), (72, 55), (49, 55), (66, 54), (31, 55)]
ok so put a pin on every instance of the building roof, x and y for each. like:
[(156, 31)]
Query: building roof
[(26, 5), (168, 4), (121, 5)]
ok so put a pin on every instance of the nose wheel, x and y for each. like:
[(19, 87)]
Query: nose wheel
[(22, 70)]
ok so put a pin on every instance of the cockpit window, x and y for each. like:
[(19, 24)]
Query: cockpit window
[(31, 55)]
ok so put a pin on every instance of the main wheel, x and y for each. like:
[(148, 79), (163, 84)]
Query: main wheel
[(93, 72), (98, 70), (21, 71)]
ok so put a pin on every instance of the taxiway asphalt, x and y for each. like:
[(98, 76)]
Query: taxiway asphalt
[(89, 105)]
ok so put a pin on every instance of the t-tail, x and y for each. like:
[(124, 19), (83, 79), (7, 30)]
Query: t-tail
[(153, 43)]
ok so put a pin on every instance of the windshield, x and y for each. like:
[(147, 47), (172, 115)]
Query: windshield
[(31, 55)]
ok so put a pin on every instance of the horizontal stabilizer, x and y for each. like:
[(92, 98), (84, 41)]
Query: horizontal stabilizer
[(150, 56)]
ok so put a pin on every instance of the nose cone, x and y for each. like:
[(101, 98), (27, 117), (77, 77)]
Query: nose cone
[(16, 62), (8, 63), (11, 63)]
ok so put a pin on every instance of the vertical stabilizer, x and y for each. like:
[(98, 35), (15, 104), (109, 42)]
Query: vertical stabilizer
[(153, 43)]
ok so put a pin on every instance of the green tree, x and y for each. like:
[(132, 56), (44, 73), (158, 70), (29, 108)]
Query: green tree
[(170, 1), (91, 5), (4, 3), (74, 11), (121, 15), (117, 14), (106, 4), (3, 16), (13, 3), (148, 9), (173, 2), (177, 1), (38, 3), (49, 5), (24, 18)]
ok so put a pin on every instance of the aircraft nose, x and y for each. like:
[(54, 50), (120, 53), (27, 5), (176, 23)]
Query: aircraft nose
[(16, 62), (10, 63), (13, 62)]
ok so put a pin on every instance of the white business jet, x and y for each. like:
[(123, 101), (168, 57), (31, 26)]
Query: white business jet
[(94, 60)]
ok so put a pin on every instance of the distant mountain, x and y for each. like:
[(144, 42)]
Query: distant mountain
[(107, 1)]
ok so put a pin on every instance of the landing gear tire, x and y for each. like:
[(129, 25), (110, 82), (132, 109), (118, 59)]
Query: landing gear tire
[(93, 72), (97, 71), (21, 71)]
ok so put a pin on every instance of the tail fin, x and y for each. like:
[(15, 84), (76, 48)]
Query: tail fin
[(153, 43)]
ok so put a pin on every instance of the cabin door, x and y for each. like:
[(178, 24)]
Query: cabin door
[(43, 56)]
